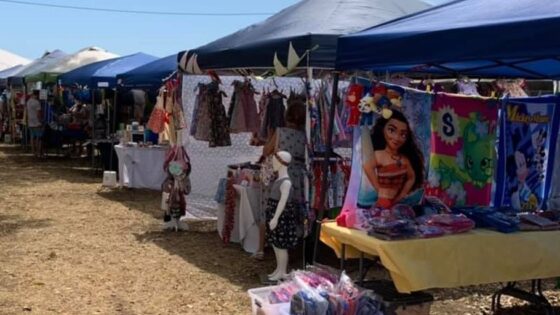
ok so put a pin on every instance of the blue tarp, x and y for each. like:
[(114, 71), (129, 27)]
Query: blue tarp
[(515, 38), (149, 75), (306, 24), (104, 73)]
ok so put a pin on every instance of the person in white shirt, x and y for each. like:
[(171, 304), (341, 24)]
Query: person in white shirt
[(35, 124)]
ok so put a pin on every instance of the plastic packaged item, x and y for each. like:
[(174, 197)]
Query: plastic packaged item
[(427, 231), (392, 229), (312, 298), (261, 305), (437, 204), (449, 223)]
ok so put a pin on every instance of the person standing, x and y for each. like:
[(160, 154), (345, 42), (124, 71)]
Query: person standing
[(35, 124)]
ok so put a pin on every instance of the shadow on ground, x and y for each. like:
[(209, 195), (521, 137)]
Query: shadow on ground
[(143, 200), (11, 224), (24, 168)]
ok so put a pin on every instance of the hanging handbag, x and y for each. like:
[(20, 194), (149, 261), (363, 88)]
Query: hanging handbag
[(157, 117)]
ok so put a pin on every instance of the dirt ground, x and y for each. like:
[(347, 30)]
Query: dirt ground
[(68, 248)]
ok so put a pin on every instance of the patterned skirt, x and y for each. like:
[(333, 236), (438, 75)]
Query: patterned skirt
[(284, 236)]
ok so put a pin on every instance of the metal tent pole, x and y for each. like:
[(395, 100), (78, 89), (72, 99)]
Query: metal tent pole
[(92, 130), (325, 170), (112, 127)]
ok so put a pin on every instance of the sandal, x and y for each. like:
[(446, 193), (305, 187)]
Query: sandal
[(258, 256)]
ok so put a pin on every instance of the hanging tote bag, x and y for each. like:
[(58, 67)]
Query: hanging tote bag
[(157, 117)]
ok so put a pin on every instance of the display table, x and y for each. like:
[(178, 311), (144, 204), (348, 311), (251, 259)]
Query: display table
[(141, 167), (477, 257), (245, 229)]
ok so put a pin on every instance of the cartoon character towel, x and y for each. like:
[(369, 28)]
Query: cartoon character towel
[(361, 195), (528, 135), (462, 155)]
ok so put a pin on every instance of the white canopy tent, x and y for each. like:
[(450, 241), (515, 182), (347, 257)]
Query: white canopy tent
[(68, 63), (9, 60)]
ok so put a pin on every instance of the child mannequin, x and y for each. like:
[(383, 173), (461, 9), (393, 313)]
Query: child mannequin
[(281, 216)]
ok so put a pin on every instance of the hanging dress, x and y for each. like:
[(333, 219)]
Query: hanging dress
[(219, 128), (236, 113), (284, 236), (274, 115), (202, 119)]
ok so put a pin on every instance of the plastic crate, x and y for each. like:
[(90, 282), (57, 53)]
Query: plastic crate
[(395, 303), (260, 304)]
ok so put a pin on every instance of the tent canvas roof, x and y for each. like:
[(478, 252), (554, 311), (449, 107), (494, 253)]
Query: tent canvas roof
[(305, 25), (9, 59), (104, 71), (513, 38), (149, 75), (70, 62), (6, 73), (39, 64)]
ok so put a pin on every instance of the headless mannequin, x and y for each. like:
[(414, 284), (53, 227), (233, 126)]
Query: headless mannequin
[(281, 254)]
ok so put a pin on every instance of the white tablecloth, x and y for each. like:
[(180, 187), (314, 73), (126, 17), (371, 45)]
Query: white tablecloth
[(141, 167), (245, 230)]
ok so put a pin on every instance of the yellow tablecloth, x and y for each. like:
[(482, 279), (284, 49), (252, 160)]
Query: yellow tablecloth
[(476, 257)]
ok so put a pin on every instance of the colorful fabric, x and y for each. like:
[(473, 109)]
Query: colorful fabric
[(462, 155), (416, 106), (527, 147), (353, 96)]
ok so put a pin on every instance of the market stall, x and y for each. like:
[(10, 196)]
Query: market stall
[(145, 79), (44, 79), (294, 42), (101, 76), (18, 92), (5, 98), (497, 47)]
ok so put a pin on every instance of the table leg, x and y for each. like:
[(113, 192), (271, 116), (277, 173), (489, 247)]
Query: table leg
[(342, 257), (535, 297), (361, 270)]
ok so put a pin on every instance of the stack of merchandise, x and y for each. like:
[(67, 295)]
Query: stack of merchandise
[(539, 221), (401, 221), (318, 291), (486, 217)]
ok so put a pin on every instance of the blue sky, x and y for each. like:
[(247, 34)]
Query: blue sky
[(30, 30)]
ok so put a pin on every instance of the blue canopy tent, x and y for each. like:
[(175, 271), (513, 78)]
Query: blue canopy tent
[(485, 38), (150, 75), (311, 26), (104, 73)]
